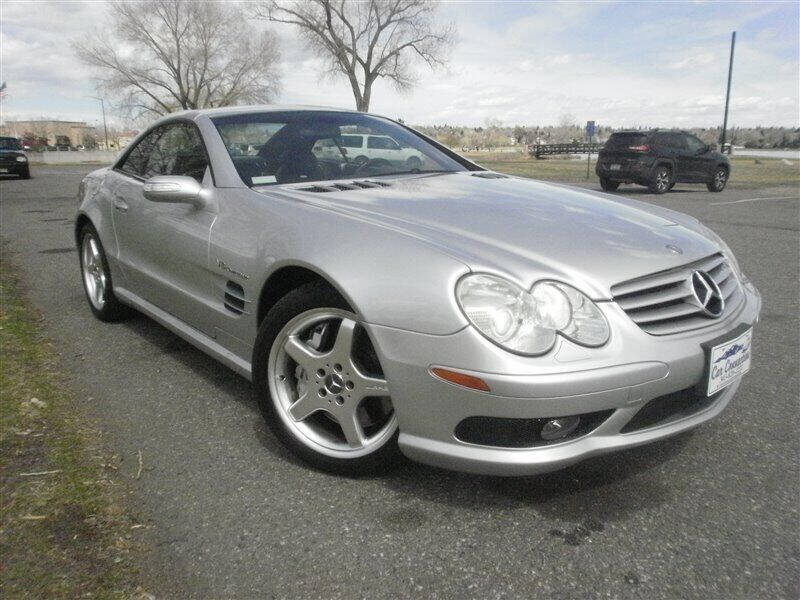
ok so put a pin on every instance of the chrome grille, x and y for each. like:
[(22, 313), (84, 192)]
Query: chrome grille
[(663, 303)]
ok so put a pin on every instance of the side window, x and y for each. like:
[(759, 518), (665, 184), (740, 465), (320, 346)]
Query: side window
[(179, 151), (676, 140), (381, 143), (136, 160), (351, 141), (694, 144)]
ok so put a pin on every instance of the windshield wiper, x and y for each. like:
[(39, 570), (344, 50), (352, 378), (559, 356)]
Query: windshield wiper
[(428, 172)]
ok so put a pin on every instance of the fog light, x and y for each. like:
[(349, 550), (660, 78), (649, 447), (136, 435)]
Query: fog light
[(556, 429)]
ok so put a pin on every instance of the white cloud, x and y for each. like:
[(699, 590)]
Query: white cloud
[(619, 64)]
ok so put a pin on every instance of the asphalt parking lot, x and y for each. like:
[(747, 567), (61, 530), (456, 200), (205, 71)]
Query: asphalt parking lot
[(711, 514)]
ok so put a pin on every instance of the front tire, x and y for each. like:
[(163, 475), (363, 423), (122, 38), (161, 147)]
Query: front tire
[(97, 278), (25, 173), (607, 185), (320, 385), (662, 180), (718, 180)]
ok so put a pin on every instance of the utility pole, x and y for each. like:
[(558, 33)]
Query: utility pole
[(728, 94), (103, 108), (105, 127)]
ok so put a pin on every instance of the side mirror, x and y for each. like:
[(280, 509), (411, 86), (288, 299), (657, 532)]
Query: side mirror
[(173, 189)]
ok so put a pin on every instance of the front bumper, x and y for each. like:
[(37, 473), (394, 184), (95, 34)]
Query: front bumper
[(621, 377), (13, 168)]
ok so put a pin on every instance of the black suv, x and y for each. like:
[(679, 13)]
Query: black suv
[(660, 159), (12, 159)]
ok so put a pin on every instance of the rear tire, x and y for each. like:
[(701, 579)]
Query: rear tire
[(96, 278), (608, 185), (320, 407), (662, 180), (718, 180)]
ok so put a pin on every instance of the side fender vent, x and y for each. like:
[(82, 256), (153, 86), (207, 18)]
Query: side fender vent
[(235, 300)]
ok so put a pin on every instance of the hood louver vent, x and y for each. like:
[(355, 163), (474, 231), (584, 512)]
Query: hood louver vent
[(339, 187), (489, 175)]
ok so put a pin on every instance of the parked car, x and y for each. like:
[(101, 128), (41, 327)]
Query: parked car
[(13, 160), (463, 317), (660, 159), (362, 148)]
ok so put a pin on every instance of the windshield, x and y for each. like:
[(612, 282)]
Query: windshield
[(9, 143), (305, 146)]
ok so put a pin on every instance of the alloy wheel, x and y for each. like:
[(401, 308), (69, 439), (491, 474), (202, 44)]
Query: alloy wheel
[(662, 180), (720, 177), (327, 386), (95, 278)]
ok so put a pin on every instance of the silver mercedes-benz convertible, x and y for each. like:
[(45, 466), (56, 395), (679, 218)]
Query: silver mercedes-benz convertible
[(386, 295)]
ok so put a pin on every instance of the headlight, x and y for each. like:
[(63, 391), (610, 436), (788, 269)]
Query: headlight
[(527, 322), (22, 159)]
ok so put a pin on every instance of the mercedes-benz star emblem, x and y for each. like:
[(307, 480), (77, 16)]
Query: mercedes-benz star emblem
[(707, 294), (674, 249)]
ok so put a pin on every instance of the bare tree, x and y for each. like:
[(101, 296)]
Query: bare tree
[(160, 56), (366, 40)]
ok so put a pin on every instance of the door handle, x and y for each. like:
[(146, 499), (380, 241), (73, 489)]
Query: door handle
[(120, 205)]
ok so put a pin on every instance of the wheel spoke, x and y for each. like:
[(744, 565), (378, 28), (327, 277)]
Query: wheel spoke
[(351, 428), (343, 346), (87, 257), (365, 386), (95, 252), (307, 404), (101, 286), (300, 353)]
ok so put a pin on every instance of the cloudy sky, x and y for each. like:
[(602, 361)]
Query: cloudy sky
[(619, 63)]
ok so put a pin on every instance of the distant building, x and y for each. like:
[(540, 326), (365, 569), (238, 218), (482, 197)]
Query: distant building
[(117, 140), (57, 133)]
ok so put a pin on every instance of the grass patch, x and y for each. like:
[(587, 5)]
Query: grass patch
[(63, 531), (746, 171)]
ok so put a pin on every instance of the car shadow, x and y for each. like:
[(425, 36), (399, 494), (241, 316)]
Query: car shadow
[(643, 190), (163, 341), (596, 491), (228, 383)]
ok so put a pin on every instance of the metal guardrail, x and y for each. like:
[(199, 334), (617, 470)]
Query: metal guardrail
[(538, 150)]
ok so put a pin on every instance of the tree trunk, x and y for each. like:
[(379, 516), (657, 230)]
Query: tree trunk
[(363, 105)]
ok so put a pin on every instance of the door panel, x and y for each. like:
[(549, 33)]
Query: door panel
[(164, 247), (699, 158), (683, 162)]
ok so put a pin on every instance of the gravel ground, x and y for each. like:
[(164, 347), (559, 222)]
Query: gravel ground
[(709, 514)]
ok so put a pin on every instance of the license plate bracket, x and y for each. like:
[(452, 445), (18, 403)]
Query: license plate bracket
[(727, 358)]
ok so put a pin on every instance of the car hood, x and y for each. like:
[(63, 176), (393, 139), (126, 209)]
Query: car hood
[(526, 229)]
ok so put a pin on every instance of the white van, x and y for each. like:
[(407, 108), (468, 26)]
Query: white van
[(363, 147)]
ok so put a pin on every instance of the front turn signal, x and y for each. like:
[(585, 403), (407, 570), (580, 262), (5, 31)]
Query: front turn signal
[(462, 379)]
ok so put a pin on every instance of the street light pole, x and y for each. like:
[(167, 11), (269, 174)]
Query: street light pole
[(105, 127), (728, 93), (103, 108)]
